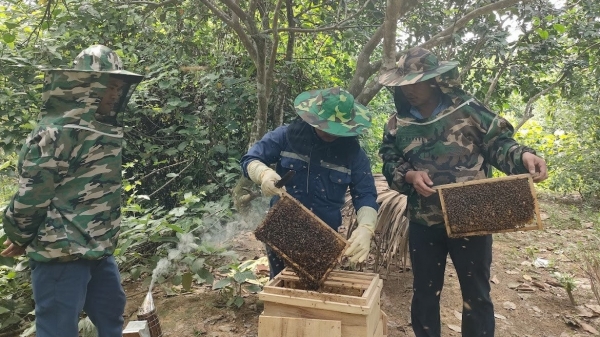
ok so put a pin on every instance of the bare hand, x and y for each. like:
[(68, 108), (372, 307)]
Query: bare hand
[(421, 182), (536, 166), (12, 250)]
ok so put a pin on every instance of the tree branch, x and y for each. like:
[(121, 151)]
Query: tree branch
[(235, 25), (275, 44), (337, 26), (238, 11), (462, 22), (170, 180), (434, 41), (528, 114), (153, 4)]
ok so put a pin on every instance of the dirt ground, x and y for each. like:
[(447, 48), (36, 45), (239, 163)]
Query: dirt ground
[(526, 289)]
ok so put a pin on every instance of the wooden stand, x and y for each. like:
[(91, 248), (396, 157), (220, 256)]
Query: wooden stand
[(536, 223), (349, 306)]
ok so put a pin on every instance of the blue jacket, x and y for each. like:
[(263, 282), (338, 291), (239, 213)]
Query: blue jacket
[(324, 171)]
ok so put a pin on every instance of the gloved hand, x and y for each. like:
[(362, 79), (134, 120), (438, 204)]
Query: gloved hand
[(360, 241), (265, 176)]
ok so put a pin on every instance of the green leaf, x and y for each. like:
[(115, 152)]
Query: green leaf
[(11, 25), (197, 265), (204, 274), (171, 152), (186, 281), (239, 301), (176, 279), (559, 28), (243, 276), (163, 84), (543, 33), (222, 283), (3, 310), (8, 37), (175, 228), (253, 288), (220, 148)]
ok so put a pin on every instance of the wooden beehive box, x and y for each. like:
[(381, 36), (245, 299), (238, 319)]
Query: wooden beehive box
[(348, 305), (487, 206), (308, 245)]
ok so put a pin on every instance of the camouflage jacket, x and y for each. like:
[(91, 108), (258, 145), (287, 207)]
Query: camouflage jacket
[(68, 203), (461, 143)]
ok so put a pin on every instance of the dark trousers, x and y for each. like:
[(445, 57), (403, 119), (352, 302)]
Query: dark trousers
[(61, 290), (472, 258)]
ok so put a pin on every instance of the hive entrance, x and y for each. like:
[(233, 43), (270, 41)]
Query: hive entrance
[(490, 206), (305, 242)]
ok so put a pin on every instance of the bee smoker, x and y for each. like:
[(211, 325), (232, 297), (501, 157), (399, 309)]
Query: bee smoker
[(147, 312)]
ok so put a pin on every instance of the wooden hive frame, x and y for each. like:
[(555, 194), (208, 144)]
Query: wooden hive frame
[(536, 224), (354, 302), (288, 259)]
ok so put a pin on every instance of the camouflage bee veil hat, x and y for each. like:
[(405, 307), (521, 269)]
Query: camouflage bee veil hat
[(418, 65), (334, 111)]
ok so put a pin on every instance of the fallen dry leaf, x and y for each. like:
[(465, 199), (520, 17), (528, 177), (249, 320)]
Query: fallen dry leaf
[(499, 316), (584, 312), (454, 327), (536, 309), (525, 288), (509, 305), (458, 315), (594, 307), (494, 280), (539, 285), (527, 277), (544, 216), (588, 327), (512, 272), (513, 285)]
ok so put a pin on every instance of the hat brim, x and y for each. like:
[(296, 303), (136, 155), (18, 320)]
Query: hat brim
[(393, 78), (130, 75), (308, 106)]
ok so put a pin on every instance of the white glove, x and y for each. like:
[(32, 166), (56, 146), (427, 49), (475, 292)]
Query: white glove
[(360, 241), (265, 176)]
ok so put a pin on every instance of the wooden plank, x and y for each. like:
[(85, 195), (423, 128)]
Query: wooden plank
[(536, 204), (329, 282), (384, 322), (313, 303), (269, 326), (352, 325), (323, 304), (379, 330), (482, 181), (307, 294)]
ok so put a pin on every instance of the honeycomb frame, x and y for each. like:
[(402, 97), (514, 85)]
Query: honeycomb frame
[(490, 196), (313, 248)]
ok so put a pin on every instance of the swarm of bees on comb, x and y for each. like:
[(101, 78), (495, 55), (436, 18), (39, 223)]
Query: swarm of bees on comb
[(491, 207), (306, 244)]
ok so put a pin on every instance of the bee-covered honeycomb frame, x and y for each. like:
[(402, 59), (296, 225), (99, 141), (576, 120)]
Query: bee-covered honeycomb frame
[(268, 231), (490, 183)]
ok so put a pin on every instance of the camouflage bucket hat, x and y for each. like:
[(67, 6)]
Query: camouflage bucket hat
[(417, 65), (99, 58), (334, 111)]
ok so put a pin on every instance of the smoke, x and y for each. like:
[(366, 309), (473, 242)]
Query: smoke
[(186, 244), (217, 231), (220, 232)]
